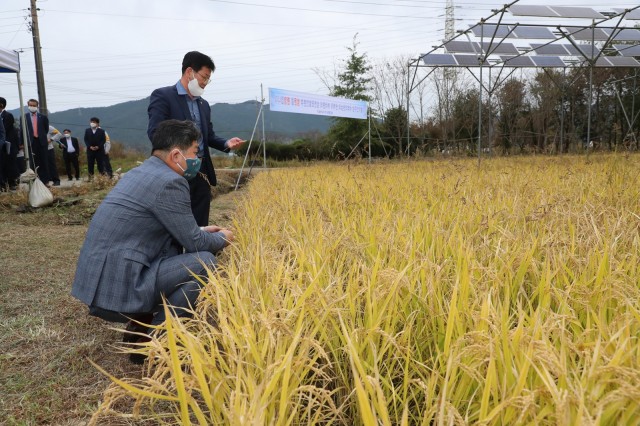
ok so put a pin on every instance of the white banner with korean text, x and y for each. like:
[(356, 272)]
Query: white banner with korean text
[(307, 103)]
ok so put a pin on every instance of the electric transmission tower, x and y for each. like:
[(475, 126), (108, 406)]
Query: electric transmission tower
[(449, 27)]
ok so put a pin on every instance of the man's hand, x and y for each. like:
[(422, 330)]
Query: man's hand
[(228, 234), (234, 143)]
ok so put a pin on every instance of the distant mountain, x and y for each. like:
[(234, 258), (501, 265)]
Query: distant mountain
[(127, 122)]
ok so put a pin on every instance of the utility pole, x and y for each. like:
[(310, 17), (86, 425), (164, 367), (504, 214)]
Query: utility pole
[(37, 51)]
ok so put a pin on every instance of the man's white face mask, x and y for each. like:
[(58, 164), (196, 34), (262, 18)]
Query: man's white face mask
[(194, 86)]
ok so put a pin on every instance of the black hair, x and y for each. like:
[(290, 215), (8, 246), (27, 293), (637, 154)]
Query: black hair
[(175, 134), (33, 100), (94, 119), (66, 130), (3, 102), (196, 61)]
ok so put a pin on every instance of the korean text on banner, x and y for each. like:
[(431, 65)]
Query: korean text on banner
[(307, 103)]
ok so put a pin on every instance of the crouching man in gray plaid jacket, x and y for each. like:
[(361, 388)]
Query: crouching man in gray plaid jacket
[(133, 252)]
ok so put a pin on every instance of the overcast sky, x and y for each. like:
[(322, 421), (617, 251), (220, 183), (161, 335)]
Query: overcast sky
[(99, 53)]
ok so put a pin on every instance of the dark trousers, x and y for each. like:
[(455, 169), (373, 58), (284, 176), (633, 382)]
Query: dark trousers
[(21, 164), (200, 199), (13, 173), (71, 159), (4, 169), (38, 159), (94, 157), (107, 165), (175, 282), (51, 165)]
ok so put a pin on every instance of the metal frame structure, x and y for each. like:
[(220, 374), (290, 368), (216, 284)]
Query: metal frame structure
[(544, 46)]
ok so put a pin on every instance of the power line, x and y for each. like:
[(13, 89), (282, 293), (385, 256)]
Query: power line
[(360, 13)]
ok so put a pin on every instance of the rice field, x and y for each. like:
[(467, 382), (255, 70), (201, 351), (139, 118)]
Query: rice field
[(422, 292)]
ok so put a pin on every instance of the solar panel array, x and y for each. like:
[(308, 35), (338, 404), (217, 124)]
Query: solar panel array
[(547, 45)]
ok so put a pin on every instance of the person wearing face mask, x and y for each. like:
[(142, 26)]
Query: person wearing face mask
[(70, 153), (128, 261), (37, 129), (183, 101), (94, 140)]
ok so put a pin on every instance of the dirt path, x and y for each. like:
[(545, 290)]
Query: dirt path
[(46, 335)]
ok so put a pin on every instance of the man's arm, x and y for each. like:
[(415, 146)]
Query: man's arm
[(158, 110), (216, 141), (172, 207)]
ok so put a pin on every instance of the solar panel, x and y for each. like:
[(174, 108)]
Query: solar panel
[(585, 50), (462, 47), (523, 10), (628, 49), (548, 61), (487, 30), (469, 60), (587, 34), (618, 61), (438, 59), (517, 61), (603, 62), (533, 32), (502, 48), (634, 14), (576, 12), (550, 49), (627, 35)]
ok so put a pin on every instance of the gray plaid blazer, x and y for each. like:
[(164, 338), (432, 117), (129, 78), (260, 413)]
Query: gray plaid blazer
[(131, 233)]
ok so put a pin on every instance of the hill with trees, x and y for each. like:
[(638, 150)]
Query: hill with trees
[(127, 122)]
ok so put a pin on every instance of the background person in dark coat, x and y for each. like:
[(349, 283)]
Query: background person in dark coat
[(94, 139), (70, 153), (11, 171), (37, 140)]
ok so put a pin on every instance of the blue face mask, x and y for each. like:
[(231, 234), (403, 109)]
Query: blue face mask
[(193, 166)]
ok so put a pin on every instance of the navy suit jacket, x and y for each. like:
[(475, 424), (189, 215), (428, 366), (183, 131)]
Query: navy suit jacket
[(166, 104), (43, 128), (74, 142), (131, 233)]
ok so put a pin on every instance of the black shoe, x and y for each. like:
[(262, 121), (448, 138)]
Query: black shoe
[(137, 359), (136, 326)]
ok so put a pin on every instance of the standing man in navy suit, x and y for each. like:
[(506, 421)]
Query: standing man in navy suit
[(37, 129), (94, 139), (182, 101)]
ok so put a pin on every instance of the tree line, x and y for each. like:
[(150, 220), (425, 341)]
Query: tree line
[(523, 111)]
